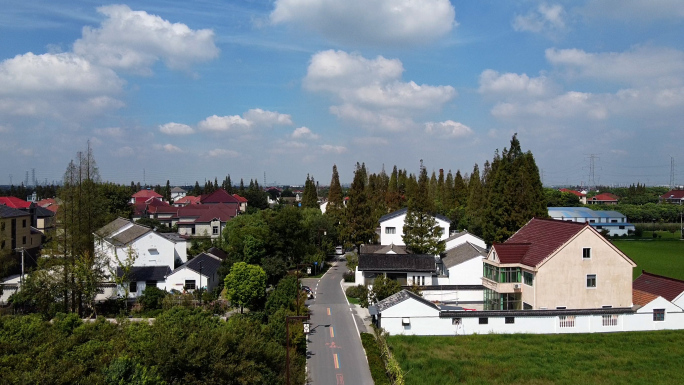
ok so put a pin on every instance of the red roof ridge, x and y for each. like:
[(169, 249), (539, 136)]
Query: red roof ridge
[(644, 272)]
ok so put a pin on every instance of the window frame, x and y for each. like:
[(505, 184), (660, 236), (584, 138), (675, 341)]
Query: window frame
[(390, 230), (133, 287), (509, 320), (190, 282), (658, 315), (527, 274), (586, 253), (214, 230), (595, 281), (483, 321)]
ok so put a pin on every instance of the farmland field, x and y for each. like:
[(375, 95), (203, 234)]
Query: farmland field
[(664, 257), (610, 358)]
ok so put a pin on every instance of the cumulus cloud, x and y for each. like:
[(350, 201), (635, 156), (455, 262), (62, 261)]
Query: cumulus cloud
[(449, 129), (61, 85), (134, 40), (376, 22), (370, 91), (331, 149), (223, 153), (224, 123), (303, 133), (267, 118), (514, 85), (176, 129), (167, 148), (123, 152), (641, 65), (544, 19)]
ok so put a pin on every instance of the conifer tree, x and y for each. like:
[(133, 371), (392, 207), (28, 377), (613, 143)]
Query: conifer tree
[(335, 208), (393, 198), (473, 219), (359, 225), (421, 232), (310, 197)]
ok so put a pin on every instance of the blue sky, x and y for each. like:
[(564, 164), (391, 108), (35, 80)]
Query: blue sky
[(188, 90)]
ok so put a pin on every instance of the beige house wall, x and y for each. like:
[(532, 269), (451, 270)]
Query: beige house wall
[(562, 279)]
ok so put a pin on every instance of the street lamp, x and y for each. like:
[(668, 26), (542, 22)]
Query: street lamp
[(287, 332)]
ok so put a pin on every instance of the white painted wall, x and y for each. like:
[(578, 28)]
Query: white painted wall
[(177, 279), (456, 297), (398, 224), (466, 273), (151, 250), (463, 238), (427, 323)]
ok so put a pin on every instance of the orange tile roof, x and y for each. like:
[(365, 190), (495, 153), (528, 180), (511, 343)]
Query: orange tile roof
[(666, 287), (641, 297)]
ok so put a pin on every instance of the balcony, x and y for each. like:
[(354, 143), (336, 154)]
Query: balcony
[(505, 287)]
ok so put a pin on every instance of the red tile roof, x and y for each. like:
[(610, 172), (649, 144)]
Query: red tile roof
[(666, 287), (673, 194), (537, 240), (188, 199), (46, 202), (218, 196), (14, 202), (605, 197), (579, 194), (146, 194), (240, 199), (641, 297), (206, 213)]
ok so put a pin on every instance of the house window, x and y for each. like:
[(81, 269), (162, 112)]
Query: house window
[(586, 253), (23, 223), (566, 321), (2, 226), (133, 287), (214, 230), (591, 280), (609, 320), (561, 307), (510, 320), (189, 284), (422, 281), (390, 230), (592, 221), (23, 239), (622, 227), (528, 278), (2, 245), (509, 274), (456, 321), (484, 321), (613, 221), (192, 231), (405, 321), (659, 314)]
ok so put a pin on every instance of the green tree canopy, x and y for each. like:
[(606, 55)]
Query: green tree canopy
[(245, 284), (421, 231)]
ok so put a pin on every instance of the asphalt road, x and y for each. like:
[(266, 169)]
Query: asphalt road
[(336, 356)]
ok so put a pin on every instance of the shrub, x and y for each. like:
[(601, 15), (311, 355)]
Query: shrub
[(152, 298), (377, 366), (349, 276), (358, 291)]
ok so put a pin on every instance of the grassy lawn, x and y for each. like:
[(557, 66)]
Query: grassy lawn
[(664, 257), (354, 301), (600, 358)]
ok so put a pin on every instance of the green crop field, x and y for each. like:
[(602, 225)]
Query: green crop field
[(664, 257), (610, 358)]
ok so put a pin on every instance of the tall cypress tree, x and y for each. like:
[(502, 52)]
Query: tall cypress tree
[(310, 197), (473, 219), (421, 232), (393, 197), (335, 208), (359, 225)]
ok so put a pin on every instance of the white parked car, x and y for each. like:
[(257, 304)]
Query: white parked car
[(339, 250)]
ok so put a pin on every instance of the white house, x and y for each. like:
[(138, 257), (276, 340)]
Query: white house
[(154, 255), (615, 223), (9, 286), (177, 193), (392, 227), (199, 272)]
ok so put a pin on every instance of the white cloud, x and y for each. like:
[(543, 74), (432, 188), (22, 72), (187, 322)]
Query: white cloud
[(329, 148), (176, 129), (263, 118), (448, 129), (513, 85), (370, 91), (370, 141), (123, 152), (570, 104), (642, 65), (4, 129), (135, 40), (545, 18), (303, 133), (63, 86), (376, 22), (114, 132), (25, 151), (224, 123), (223, 153), (167, 148)]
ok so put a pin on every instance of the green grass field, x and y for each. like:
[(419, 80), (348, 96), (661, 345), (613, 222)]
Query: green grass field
[(664, 257), (599, 358)]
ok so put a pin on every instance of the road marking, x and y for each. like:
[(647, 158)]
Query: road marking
[(337, 361), (340, 379), (328, 311), (332, 332)]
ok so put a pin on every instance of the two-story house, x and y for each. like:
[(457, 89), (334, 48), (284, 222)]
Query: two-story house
[(551, 264)]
